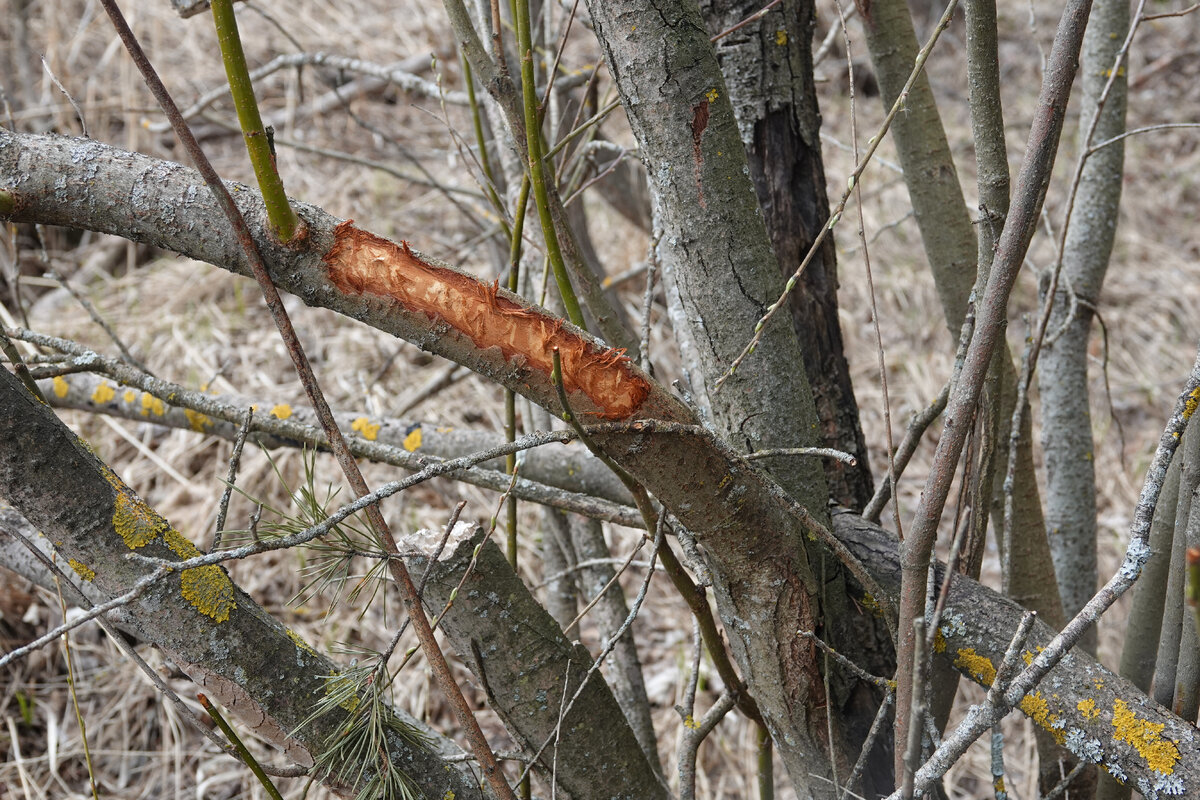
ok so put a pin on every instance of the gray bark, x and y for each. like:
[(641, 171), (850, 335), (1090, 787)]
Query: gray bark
[(529, 671), (233, 649), (624, 666), (754, 539), (768, 70), (1167, 663), (402, 442), (1100, 717), (1063, 381), (716, 248)]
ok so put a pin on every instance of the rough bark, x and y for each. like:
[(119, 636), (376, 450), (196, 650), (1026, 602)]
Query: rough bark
[(529, 670), (715, 247), (755, 542), (1100, 717), (768, 70), (233, 649)]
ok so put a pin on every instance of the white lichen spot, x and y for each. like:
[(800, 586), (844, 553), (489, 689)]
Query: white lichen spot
[(1135, 559), (1086, 748)]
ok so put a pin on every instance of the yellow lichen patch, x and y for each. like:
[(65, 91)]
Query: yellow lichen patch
[(781, 37), (129, 395), (1189, 406), (134, 521), (1145, 737), (871, 605), (281, 411), (209, 590), (366, 428), (341, 685), (180, 545), (299, 642), (939, 641), (198, 422), (413, 440), (1088, 708), (103, 393), (151, 405), (690, 723), (1038, 710), (980, 667), (712, 95), (82, 570), (60, 386)]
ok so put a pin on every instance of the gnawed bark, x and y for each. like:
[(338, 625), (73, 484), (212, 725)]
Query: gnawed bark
[(755, 543)]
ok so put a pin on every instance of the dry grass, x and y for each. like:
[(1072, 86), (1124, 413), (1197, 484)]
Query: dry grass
[(198, 325)]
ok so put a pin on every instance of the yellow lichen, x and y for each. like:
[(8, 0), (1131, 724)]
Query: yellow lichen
[(209, 590), (871, 605), (103, 393), (1145, 737), (690, 723), (939, 641), (60, 386), (366, 428), (712, 95), (281, 411), (198, 422), (1189, 406), (980, 667), (413, 440), (341, 685), (299, 642), (1087, 707), (134, 521), (151, 405), (82, 570), (781, 37), (180, 545), (1038, 710)]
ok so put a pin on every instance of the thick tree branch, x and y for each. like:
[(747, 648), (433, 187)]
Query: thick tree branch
[(233, 649)]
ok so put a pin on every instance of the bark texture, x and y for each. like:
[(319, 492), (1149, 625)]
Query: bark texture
[(529, 671), (1063, 381), (768, 70), (233, 649), (755, 542)]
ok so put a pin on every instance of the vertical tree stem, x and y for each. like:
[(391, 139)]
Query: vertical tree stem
[(537, 172), (258, 144)]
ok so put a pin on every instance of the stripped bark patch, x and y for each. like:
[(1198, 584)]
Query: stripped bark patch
[(362, 263)]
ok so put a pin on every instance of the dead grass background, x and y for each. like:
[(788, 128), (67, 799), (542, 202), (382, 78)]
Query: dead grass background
[(198, 325)]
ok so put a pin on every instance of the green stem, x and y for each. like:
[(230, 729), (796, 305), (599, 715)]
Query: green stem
[(283, 219), (245, 753), (766, 763), (510, 397), (536, 168), (484, 161)]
